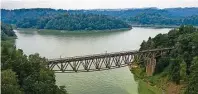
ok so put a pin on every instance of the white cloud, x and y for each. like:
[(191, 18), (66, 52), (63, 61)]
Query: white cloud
[(93, 4)]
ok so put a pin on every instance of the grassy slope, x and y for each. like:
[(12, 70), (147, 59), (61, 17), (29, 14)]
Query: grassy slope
[(144, 87), (156, 84)]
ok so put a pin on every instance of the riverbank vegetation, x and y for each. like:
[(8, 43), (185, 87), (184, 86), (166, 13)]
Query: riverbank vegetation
[(145, 88), (176, 71), (22, 74)]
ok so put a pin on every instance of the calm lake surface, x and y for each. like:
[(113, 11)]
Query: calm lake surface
[(56, 45)]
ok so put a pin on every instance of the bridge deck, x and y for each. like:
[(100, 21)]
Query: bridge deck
[(102, 55)]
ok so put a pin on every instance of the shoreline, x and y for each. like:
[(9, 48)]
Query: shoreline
[(78, 31), (158, 26)]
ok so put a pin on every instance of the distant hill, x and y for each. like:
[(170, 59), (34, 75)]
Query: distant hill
[(144, 16), (73, 22), (162, 19)]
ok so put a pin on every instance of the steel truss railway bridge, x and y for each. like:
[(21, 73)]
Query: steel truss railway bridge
[(105, 61)]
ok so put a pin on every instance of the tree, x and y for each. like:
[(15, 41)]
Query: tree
[(193, 78), (175, 70), (6, 31), (9, 83), (148, 16), (42, 83), (73, 22), (182, 65), (26, 72), (162, 64), (143, 45)]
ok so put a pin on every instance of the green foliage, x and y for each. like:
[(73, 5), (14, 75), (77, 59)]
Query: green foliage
[(162, 64), (144, 88), (32, 73), (160, 40), (159, 18), (175, 70), (9, 83), (145, 16), (28, 72), (187, 46), (183, 75), (6, 31), (193, 78), (73, 22), (185, 42), (42, 82)]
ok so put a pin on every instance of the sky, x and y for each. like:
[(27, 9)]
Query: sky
[(96, 4)]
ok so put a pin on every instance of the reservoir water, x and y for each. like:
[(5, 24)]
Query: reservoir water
[(56, 45)]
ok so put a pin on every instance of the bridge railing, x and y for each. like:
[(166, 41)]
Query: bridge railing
[(102, 55)]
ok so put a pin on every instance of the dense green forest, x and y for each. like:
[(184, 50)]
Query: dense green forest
[(7, 32), (73, 22), (145, 16), (22, 74), (180, 64), (160, 19)]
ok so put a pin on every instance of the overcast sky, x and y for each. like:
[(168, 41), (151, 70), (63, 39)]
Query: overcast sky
[(96, 4)]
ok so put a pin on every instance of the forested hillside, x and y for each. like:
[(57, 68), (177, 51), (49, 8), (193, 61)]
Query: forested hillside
[(160, 19), (6, 31), (180, 65), (73, 22), (22, 74), (147, 16)]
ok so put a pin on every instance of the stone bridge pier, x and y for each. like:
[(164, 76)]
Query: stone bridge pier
[(150, 65), (149, 60)]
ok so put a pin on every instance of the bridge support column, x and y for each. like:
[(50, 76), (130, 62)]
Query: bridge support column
[(150, 65)]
